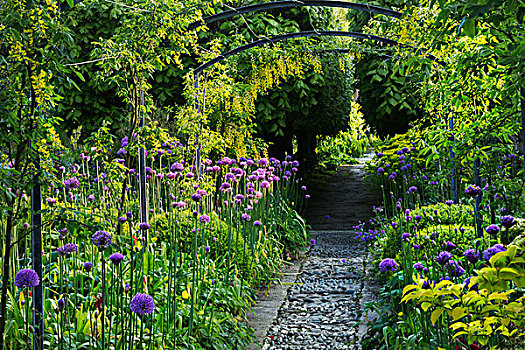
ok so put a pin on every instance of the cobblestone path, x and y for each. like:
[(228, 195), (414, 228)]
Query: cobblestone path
[(322, 307)]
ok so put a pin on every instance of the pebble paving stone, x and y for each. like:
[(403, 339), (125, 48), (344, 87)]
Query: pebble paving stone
[(322, 307)]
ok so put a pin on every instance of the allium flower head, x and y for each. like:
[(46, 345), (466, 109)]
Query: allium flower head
[(471, 255), (204, 219), (473, 190), (144, 226), (88, 266), (196, 197), (507, 221), (207, 248), (265, 184), (257, 223), (443, 257), (489, 253), (449, 202), (405, 236), (246, 217), (26, 278), (101, 239), (388, 265), (418, 267), (177, 167), (122, 219), (116, 258), (449, 246), (454, 269), (142, 304), (72, 183), (312, 241), (492, 229)]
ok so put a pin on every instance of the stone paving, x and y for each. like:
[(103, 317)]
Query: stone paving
[(322, 307)]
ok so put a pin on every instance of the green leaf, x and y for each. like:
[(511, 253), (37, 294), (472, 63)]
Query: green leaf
[(435, 315), (469, 27), (458, 312)]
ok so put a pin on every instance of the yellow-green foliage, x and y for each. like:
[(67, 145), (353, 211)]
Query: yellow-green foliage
[(494, 309), (347, 144)]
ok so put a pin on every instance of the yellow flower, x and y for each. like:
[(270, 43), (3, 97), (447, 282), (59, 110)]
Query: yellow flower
[(185, 295)]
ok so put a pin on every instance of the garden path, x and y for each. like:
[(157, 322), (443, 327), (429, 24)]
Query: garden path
[(321, 308)]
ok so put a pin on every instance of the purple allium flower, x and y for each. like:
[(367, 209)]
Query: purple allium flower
[(61, 304), (417, 217), (416, 247), (177, 167), (101, 239), (449, 246), (405, 236), (91, 198), (312, 241), (62, 251), (26, 278), (471, 255), (418, 267), (72, 183), (462, 230), (443, 257), (144, 226), (179, 205), (449, 202), (507, 221), (196, 197), (88, 266), (70, 248), (50, 200), (129, 215), (454, 269), (246, 217), (257, 223), (380, 170), (207, 248), (489, 253), (492, 229), (204, 219), (122, 219), (263, 162), (225, 187), (473, 190), (265, 184), (142, 304), (127, 287), (307, 196), (388, 265), (116, 258), (425, 271), (379, 154)]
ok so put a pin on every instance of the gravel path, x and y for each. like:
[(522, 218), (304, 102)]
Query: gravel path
[(322, 307)]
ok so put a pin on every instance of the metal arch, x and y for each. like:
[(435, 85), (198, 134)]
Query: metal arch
[(294, 3), (312, 33)]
